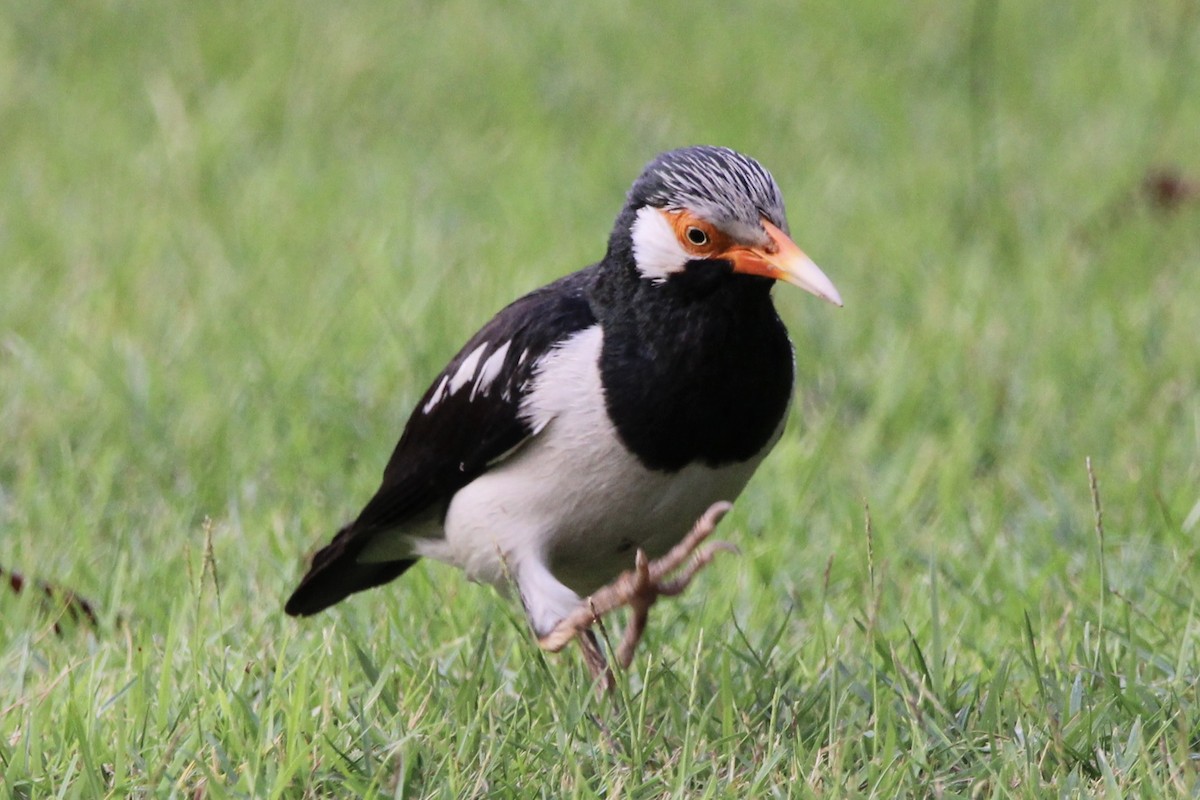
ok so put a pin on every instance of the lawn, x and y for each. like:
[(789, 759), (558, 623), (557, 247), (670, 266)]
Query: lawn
[(237, 241)]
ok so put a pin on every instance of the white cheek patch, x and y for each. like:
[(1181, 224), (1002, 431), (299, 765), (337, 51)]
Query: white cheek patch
[(656, 250)]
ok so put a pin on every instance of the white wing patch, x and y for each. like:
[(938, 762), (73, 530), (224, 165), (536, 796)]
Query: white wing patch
[(480, 376), (437, 395), (489, 370), (656, 250), (466, 370)]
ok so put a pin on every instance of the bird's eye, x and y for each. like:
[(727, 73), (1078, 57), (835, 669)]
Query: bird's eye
[(696, 236)]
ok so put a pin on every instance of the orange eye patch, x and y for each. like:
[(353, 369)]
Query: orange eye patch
[(697, 236)]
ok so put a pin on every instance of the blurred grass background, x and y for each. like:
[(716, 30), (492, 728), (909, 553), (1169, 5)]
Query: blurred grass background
[(237, 241)]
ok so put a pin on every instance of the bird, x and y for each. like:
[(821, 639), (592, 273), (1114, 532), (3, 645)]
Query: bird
[(586, 441)]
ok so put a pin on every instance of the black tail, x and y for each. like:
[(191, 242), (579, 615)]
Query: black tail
[(336, 573)]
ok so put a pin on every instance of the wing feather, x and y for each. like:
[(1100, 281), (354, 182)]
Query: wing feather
[(467, 421)]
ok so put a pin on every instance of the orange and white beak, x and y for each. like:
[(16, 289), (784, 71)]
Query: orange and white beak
[(782, 260)]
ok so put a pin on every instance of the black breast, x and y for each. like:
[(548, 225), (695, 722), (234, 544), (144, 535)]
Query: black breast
[(696, 369)]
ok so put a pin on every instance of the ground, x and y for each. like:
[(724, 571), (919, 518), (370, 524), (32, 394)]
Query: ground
[(237, 241)]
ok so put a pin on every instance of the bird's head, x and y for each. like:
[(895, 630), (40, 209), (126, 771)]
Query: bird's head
[(705, 208)]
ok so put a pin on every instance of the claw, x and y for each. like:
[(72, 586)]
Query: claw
[(641, 565), (638, 588), (699, 561)]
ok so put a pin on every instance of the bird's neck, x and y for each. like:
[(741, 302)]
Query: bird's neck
[(705, 295), (698, 367)]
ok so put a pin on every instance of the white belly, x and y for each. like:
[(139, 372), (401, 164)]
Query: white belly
[(574, 498)]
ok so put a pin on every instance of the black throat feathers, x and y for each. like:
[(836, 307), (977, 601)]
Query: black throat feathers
[(695, 368)]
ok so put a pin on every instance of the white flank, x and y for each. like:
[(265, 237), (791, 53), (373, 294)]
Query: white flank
[(656, 250)]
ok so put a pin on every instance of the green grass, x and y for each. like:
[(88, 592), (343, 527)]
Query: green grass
[(238, 240)]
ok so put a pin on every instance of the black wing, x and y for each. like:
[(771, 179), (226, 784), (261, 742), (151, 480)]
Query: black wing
[(468, 419)]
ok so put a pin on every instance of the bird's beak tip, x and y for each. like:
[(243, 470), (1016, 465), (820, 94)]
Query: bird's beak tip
[(804, 273), (788, 263)]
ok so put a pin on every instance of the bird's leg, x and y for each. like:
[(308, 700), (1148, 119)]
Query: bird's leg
[(639, 603), (640, 588), (593, 656)]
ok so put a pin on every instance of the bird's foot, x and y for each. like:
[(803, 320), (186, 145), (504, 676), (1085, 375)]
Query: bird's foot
[(639, 589)]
